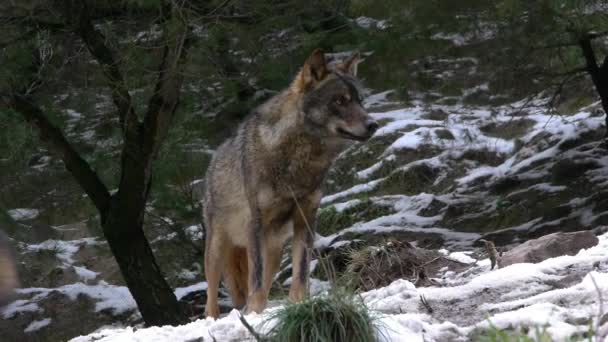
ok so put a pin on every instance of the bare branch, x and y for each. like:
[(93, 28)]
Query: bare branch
[(80, 169), (163, 103), (77, 15)]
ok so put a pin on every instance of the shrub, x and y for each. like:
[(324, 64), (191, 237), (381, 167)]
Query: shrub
[(335, 316)]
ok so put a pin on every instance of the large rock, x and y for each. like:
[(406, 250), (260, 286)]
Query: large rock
[(548, 246)]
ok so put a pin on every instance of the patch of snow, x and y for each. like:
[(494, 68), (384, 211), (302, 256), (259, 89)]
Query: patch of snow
[(23, 214), (359, 188), (84, 273), (181, 292), (187, 274), (18, 306), (64, 250), (117, 299), (456, 38), (462, 257), (340, 207), (166, 237), (228, 328), (37, 325), (378, 99), (195, 232), (370, 170), (367, 23)]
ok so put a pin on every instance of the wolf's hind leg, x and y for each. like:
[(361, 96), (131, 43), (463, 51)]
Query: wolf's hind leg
[(236, 276), (215, 257)]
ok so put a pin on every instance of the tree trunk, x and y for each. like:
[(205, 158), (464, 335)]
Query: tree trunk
[(121, 215), (156, 301), (599, 74)]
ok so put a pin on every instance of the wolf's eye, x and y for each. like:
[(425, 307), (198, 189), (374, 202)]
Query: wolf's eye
[(340, 101)]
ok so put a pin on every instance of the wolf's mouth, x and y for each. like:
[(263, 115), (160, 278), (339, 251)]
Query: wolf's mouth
[(349, 135)]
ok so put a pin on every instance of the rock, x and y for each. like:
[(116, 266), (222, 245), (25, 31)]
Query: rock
[(548, 246)]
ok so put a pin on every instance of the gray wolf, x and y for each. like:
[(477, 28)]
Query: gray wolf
[(8, 272), (264, 184)]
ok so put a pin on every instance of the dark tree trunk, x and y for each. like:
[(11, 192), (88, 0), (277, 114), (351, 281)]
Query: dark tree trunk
[(122, 214), (599, 74), (155, 299), (121, 218)]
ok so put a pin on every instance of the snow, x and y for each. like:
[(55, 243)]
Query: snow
[(462, 257), (228, 328), (37, 325), (378, 99), (345, 205), (523, 295), (63, 249), (23, 214), (359, 188), (18, 306), (117, 299), (181, 292), (194, 232), (367, 23), (84, 273)]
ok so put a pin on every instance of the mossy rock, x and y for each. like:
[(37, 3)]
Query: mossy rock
[(444, 134), (484, 157), (436, 114), (330, 221), (412, 181), (511, 210), (508, 130), (404, 157), (343, 173), (567, 170)]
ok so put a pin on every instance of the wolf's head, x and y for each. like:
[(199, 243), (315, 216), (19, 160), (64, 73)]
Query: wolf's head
[(331, 98)]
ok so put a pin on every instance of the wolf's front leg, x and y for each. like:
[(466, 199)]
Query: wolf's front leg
[(256, 300), (303, 238), (214, 264)]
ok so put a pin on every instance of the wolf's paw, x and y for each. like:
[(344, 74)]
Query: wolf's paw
[(213, 312)]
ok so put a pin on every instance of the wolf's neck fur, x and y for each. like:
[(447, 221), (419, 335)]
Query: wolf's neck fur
[(282, 120)]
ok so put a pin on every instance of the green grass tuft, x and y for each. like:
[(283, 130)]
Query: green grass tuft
[(336, 316)]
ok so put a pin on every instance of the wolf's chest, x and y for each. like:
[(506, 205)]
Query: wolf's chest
[(307, 167)]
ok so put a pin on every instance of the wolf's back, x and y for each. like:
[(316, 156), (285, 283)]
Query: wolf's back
[(224, 181)]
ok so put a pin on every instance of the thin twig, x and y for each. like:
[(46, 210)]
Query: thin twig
[(251, 330), (426, 304), (600, 313)]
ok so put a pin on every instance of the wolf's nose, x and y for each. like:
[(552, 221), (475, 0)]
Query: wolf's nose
[(372, 126)]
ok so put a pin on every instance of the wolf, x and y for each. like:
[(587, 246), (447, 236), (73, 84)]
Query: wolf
[(8, 272), (263, 185)]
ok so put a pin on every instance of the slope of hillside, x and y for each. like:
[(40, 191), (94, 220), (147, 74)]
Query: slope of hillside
[(440, 175)]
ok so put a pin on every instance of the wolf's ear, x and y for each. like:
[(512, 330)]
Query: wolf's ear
[(349, 66), (314, 71)]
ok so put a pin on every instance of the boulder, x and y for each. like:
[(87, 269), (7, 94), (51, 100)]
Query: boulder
[(548, 246)]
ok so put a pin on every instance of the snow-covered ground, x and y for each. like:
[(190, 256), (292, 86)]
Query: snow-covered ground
[(561, 295), (522, 142)]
